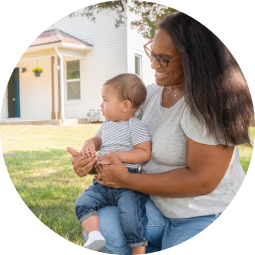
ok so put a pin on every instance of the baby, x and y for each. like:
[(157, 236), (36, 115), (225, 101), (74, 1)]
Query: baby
[(128, 137)]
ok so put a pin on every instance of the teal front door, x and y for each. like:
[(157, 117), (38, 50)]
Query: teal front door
[(14, 95)]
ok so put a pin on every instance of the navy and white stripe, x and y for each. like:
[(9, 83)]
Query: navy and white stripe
[(122, 136)]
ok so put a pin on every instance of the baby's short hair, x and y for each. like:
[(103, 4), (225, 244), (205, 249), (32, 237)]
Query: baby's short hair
[(129, 87)]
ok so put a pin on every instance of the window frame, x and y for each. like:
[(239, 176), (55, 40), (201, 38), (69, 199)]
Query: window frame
[(140, 57), (72, 80)]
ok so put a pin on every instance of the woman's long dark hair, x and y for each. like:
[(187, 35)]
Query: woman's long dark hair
[(215, 88)]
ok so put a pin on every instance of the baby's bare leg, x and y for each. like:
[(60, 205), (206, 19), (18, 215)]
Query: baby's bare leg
[(91, 226), (139, 249)]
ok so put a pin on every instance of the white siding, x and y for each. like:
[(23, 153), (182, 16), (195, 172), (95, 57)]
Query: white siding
[(36, 92), (107, 59)]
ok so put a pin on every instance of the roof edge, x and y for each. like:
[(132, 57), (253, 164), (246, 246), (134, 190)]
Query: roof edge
[(59, 44)]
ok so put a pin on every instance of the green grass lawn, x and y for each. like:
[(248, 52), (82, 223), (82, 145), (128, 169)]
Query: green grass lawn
[(42, 173)]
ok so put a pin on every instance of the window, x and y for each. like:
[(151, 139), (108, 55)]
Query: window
[(138, 65), (73, 79)]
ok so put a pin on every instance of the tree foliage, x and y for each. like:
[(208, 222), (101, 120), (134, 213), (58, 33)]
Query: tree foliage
[(150, 14)]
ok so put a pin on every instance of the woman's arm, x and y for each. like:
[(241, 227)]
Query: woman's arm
[(205, 167)]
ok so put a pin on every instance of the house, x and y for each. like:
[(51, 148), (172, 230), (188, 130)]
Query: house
[(77, 56)]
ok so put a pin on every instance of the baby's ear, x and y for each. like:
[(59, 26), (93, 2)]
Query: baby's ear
[(127, 105)]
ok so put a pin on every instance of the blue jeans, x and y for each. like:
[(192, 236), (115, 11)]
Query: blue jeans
[(162, 232), (130, 204)]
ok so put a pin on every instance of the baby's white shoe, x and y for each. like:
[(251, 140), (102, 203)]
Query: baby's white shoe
[(95, 241)]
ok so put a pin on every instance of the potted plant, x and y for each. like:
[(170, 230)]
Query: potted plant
[(37, 71)]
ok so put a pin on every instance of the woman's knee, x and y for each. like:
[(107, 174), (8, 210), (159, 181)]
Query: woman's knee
[(156, 224)]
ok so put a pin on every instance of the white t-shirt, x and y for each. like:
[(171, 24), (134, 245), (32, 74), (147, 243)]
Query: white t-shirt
[(168, 128)]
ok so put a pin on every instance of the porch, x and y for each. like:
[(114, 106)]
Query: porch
[(32, 100)]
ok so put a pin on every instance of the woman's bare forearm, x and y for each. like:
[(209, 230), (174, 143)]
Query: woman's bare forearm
[(206, 165), (177, 183)]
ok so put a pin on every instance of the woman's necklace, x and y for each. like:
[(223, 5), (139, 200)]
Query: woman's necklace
[(173, 94)]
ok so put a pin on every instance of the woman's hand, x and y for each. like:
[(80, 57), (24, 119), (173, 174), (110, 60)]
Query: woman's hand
[(114, 175), (82, 165)]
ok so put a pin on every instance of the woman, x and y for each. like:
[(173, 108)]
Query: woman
[(196, 113)]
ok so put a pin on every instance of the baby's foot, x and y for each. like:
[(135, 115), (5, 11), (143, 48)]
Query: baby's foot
[(95, 242)]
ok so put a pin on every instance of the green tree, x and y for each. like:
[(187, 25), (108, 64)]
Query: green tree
[(150, 14)]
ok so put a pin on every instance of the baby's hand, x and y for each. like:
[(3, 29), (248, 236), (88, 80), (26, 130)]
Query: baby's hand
[(104, 160), (88, 148)]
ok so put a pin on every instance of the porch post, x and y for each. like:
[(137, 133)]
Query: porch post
[(53, 113), (59, 93)]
